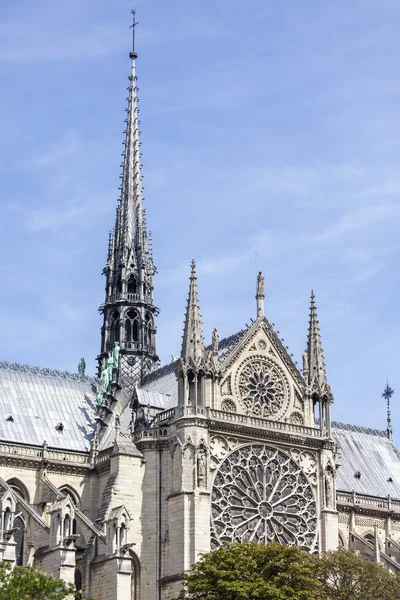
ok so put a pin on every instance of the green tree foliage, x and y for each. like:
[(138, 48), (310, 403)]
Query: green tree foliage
[(21, 583), (250, 571), (348, 576)]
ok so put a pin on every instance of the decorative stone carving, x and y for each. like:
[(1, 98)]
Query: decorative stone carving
[(260, 284), (226, 387), (262, 387), (215, 341), (201, 468), (262, 344), (219, 448), (228, 405), (296, 418), (329, 487), (46, 372), (308, 463), (261, 494)]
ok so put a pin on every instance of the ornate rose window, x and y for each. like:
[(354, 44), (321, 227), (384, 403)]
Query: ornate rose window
[(261, 494), (262, 387)]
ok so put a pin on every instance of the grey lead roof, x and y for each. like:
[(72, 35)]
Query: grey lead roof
[(34, 401), (370, 453), (160, 388)]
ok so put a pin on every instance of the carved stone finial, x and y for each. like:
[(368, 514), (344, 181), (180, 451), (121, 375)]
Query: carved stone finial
[(387, 394), (215, 341), (260, 295)]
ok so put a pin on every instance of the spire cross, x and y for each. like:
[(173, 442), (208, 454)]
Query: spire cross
[(133, 26), (387, 394)]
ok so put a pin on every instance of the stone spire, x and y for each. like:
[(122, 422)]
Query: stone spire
[(129, 309), (193, 343), (129, 241), (313, 358)]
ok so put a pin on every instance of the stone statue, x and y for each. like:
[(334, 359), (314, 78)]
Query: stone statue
[(110, 366), (215, 341), (260, 284), (81, 367), (201, 468), (329, 489), (105, 376), (305, 362), (115, 354)]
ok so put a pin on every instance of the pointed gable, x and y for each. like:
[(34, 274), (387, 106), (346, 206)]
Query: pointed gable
[(259, 377)]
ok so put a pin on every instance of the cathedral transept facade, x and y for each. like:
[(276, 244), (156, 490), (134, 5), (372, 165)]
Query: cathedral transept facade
[(118, 482)]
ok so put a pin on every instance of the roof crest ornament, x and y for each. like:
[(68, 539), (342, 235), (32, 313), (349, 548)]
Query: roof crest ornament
[(260, 295), (387, 394), (44, 371), (133, 53)]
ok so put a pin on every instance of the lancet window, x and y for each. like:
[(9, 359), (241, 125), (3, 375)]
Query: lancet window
[(132, 326), (114, 327), (132, 285)]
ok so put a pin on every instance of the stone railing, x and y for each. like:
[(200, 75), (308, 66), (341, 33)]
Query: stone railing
[(261, 423), (102, 458), (236, 418), (132, 346), (165, 415), (354, 500), (130, 297), (41, 452), (150, 434)]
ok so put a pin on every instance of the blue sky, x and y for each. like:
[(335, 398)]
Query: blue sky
[(270, 138)]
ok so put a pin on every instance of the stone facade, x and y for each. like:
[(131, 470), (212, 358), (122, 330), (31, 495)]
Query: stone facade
[(148, 467)]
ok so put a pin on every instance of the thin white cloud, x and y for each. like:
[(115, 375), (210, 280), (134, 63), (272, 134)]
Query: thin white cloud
[(70, 144), (359, 219)]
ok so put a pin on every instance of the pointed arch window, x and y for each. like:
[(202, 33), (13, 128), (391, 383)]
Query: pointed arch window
[(114, 327), (19, 536), (132, 326), (132, 285), (67, 526)]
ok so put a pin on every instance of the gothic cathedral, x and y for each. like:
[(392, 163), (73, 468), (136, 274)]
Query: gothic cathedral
[(118, 482)]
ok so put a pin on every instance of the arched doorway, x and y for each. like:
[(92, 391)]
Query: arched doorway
[(135, 578), (78, 584), (19, 537)]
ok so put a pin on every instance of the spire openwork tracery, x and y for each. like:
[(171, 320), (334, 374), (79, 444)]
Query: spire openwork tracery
[(129, 309)]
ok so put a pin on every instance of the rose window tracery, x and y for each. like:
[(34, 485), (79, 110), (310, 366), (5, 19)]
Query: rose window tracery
[(262, 387), (261, 494), (228, 406)]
